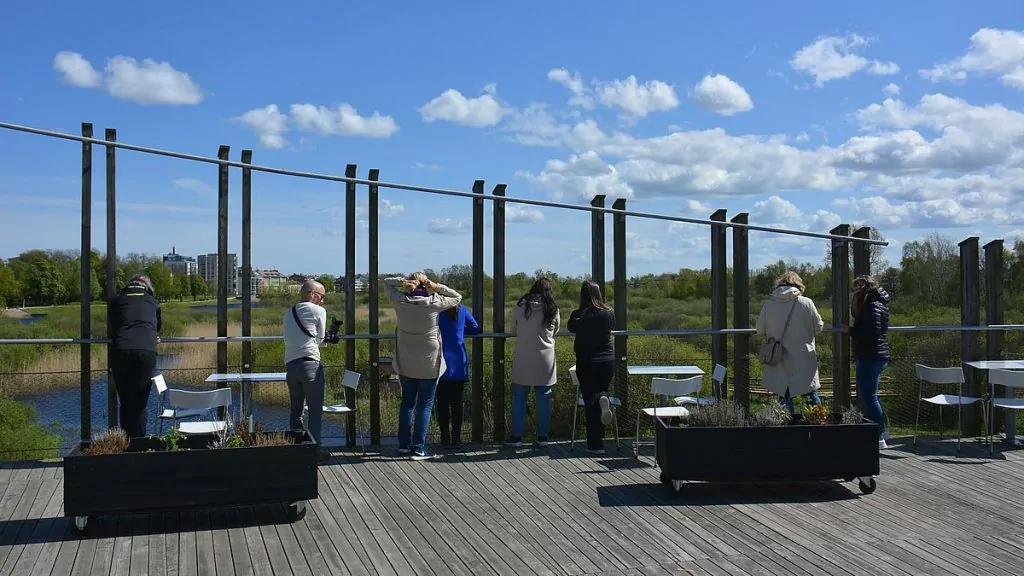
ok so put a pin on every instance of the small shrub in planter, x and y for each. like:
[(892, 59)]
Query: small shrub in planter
[(770, 414)]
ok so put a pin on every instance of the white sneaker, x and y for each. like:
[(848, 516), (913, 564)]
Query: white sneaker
[(882, 445), (606, 410)]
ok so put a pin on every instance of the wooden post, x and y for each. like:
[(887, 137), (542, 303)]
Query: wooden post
[(719, 294), (111, 136), (222, 259), (477, 374), (741, 311), (350, 297), (498, 317), (970, 315), (620, 287), (862, 252), (374, 288), (840, 317), (597, 246), (247, 269), (85, 302), (995, 308)]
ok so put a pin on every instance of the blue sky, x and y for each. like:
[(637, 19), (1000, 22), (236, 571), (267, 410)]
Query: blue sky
[(803, 114)]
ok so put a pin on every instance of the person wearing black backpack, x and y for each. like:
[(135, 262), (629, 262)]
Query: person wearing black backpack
[(305, 326)]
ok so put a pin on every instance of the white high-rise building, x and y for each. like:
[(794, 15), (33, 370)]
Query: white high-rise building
[(179, 264), (207, 266)]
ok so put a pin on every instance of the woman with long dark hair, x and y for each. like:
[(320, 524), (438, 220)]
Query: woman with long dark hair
[(535, 322), (592, 323), (454, 323), (869, 336)]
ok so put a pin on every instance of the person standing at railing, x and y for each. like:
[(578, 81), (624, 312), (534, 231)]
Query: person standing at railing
[(305, 326), (592, 324), (870, 340), (454, 323), (418, 360), (535, 321), (135, 316), (790, 321)]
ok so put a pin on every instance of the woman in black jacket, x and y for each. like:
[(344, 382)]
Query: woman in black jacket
[(135, 315), (592, 324), (869, 336)]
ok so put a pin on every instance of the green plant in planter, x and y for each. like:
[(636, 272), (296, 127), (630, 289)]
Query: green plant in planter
[(171, 439), (770, 414), (816, 415), (113, 441), (852, 415), (724, 414)]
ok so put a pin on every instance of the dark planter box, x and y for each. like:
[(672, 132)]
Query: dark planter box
[(140, 482), (795, 452)]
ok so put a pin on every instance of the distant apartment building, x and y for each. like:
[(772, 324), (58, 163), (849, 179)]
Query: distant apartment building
[(180, 265), (361, 283), (254, 283), (207, 270)]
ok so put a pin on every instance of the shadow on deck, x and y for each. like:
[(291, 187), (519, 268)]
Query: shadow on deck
[(549, 511)]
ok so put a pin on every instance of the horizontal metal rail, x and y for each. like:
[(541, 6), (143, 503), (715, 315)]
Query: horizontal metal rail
[(441, 191), (390, 336)]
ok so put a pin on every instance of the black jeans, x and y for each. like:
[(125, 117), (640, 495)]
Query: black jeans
[(594, 379), (133, 372), (449, 409)]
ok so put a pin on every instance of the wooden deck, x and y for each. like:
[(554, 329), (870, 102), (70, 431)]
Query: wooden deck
[(536, 512)]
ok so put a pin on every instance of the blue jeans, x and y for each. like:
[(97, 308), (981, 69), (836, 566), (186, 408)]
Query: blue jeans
[(869, 376), (519, 396), (812, 398), (417, 394)]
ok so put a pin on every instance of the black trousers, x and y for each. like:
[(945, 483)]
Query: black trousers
[(133, 370), (594, 377), (448, 403)]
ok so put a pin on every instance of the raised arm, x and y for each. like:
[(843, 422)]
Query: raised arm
[(472, 326), (391, 288), (445, 297)]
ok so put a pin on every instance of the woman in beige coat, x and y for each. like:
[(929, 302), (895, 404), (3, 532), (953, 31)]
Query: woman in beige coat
[(797, 372), (535, 322), (418, 359)]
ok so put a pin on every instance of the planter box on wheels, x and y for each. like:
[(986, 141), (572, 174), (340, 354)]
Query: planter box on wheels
[(794, 452), (149, 479)]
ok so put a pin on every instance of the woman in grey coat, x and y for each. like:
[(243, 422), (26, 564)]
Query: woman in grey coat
[(535, 322), (418, 359)]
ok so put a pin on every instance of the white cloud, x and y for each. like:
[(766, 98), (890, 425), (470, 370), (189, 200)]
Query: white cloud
[(584, 175), (344, 120), (193, 184), (450, 226), (637, 100), (76, 70), (452, 106), (891, 90), (268, 123), (722, 95), (802, 137), (523, 213), (832, 58), (992, 51), (146, 82), (580, 95), (779, 212), (938, 213), (389, 209), (425, 166), (697, 207), (150, 82)]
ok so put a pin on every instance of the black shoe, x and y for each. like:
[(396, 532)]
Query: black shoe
[(514, 442), (542, 441)]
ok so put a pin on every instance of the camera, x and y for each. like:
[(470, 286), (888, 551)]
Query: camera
[(331, 337)]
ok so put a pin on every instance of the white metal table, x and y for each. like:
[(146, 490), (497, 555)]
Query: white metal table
[(1009, 418), (246, 379), (664, 371)]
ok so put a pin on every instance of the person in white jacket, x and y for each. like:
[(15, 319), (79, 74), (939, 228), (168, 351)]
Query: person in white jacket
[(418, 360), (797, 372), (535, 321)]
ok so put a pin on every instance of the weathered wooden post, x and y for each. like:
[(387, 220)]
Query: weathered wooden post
[(970, 315), (222, 258), (478, 310), (741, 311), (85, 300), (350, 297), (498, 317), (995, 308), (840, 317), (110, 135), (862, 252), (719, 294), (373, 244), (619, 287), (597, 246), (246, 279)]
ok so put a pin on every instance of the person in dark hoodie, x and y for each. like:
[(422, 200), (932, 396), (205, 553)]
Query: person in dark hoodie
[(592, 323), (870, 340), (135, 316)]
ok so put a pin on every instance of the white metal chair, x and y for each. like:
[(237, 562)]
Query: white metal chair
[(663, 388), (172, 414), (1012, 380), (717, 381), (205, 402), (941, 376), (581, 404), (349, 380)]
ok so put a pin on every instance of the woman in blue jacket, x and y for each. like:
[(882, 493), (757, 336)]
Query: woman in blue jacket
[(454, 324)]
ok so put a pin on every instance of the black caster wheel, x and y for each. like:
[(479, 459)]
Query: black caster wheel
[(296, 511), (81, 523), (868, 486)]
